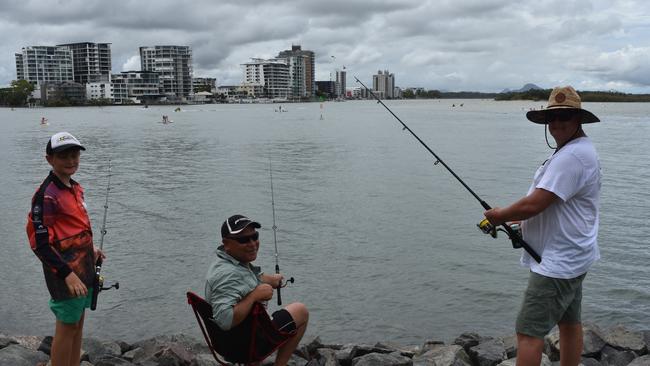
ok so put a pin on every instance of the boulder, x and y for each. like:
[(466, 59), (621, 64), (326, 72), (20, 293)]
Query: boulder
[(513, 361), (364, 349), (621, 338), (6, 341), (614, 357), (510, 343), (586, 361), (182, 344), (110, 360), (326, 357), (18, 355), (96, 348), (173, 354), (31, 342), (592, 339), (382, 359), (488, 353), (452, 355), (205, 359), (641, 361), (552, 345), (46, 345), (467, 340)]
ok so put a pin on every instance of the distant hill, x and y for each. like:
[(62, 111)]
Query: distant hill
[(525, 88)]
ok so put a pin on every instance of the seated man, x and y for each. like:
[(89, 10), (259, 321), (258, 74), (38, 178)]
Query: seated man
[(234, 284)]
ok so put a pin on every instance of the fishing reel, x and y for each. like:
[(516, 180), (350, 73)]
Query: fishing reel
[(100, 284), (287, 282), (514, 234)]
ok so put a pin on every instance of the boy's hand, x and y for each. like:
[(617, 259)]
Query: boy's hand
[(98, 254), (75, 286)]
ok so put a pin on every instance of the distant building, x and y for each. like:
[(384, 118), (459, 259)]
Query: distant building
[(267, 78), (327, 88), (99, 90), (44, 64), (383, 84), (340, 84), (91, 62), (136, 87), (64, 91), (302, 64), (206, 84), (174, 67)]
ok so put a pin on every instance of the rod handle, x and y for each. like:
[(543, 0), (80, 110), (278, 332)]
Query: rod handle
[(516, 238), (97, 283)]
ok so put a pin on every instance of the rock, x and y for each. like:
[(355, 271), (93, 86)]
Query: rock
[(110, 360), (147, 349), (452, 355), (513, 361), (6, 341), (326, 357), (308, 350), (621, 338), (408, 351), (614, 357), (363, 349), (510, 344), (46, 345), (129, 355), (589, 362), (85, 363), (488, 353), (97, 348), (552, 345), (30, 342), (592, 339), (18, 355), (467, 340), (205, 359), (382, 359), (431, 344), (641, 361)]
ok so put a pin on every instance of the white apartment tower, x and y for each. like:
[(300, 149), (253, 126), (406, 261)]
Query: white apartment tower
[(44, 64), (340, 85), (384, 84), (174, 67), (270, 77)]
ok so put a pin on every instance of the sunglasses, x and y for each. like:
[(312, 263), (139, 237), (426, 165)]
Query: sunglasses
[(561, 115), (245, 239)]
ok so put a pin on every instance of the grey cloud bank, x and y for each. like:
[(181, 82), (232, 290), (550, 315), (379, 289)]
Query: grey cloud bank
[(482, 45)]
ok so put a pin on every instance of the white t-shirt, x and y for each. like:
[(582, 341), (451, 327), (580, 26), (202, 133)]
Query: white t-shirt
[(565, 233)]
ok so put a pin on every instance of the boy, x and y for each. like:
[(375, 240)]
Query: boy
[(60, 235)]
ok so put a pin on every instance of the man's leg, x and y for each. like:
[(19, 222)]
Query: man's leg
[(62, 343), (300, 316), (570, 343), (529, 350)]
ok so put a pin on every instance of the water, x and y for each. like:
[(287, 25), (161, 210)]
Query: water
[(382, 243)]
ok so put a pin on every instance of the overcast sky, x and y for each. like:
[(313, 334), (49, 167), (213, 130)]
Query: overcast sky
[(481, 45)]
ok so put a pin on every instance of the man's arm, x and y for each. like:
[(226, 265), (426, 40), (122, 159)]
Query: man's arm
[(523, 209), (262, 292)]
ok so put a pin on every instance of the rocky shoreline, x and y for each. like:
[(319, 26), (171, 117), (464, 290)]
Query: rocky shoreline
[(615, 346)]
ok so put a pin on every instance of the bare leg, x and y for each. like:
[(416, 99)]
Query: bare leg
[(75, 356), (62, 343), (300, 315), (529, 350), (570, 343)]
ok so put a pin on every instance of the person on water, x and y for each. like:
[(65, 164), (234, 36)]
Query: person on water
[(234, 284), (559, 219), (60, 235)]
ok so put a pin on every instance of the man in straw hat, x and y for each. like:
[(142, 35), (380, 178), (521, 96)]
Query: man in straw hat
[(559, 219)]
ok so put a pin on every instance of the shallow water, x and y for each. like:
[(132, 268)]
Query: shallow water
[(382, 243)]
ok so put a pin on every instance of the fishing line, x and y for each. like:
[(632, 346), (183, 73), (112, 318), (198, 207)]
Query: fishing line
[(517, 240), (275, 240)]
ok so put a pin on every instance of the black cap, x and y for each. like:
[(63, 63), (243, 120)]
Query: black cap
[(236, 224)]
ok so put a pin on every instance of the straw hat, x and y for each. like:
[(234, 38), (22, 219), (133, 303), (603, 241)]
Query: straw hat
[(562, 97)]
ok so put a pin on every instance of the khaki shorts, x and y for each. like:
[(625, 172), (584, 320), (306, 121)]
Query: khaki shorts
[(547, 302)]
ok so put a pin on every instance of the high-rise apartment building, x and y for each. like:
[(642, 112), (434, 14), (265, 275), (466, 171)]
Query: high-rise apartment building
[(174, 67), (271, 75), (44, 64), (302, 71), (91, 62), (383, 84), (340, 83), (135, 86)]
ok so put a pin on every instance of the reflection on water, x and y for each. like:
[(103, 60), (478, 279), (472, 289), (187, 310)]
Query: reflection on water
[(382, 243)]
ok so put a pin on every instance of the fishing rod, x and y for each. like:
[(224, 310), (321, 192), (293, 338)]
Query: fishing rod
[(275, 241), (517, 240), (98, 283)]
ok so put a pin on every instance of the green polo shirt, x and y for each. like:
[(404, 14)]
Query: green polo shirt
[(227, 282)]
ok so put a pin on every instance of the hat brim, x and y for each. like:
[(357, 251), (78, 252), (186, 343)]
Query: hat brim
[(540, 116), (68, 147)]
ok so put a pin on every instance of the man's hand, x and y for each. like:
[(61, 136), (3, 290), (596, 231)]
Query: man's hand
[(75, 286), (494, 216), (262, 292), (275, 280)]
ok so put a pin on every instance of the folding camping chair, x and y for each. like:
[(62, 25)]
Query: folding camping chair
[(239, 344)]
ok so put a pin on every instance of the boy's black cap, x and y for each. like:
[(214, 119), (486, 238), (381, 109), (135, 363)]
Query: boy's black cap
[(236, 224)]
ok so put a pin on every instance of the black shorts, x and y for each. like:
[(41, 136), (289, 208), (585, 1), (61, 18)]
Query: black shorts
[(283, 321)]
